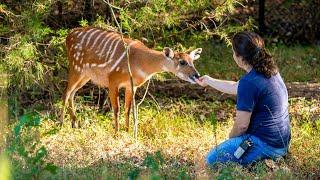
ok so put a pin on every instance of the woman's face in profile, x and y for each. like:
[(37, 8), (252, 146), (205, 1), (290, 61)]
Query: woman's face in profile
[(237, 59), (240, 62)]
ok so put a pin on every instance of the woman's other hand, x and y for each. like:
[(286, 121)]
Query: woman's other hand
[(201, 81)]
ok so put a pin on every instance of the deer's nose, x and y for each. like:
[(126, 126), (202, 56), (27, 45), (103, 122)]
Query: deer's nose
[(196, 75)]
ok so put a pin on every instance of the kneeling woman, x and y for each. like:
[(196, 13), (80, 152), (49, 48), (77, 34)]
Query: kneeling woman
[(261, 127)]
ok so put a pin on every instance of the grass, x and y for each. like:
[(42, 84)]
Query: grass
[(174, 134), (297, 63), (181, 132)]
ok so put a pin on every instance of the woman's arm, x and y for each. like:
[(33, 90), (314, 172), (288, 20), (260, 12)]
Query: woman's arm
[(241, 123), (229, 87)]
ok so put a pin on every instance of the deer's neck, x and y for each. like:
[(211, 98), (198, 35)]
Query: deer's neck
[(154, 62)]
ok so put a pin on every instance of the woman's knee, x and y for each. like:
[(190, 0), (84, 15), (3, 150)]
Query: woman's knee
[(224, 152), (220, 156)]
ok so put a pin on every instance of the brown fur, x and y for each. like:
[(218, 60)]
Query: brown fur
[(144, 63)]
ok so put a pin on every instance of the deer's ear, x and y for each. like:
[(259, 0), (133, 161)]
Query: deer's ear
[(195, 54), (168, 52)]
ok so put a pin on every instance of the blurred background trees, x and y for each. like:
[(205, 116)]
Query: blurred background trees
[(32, 33)]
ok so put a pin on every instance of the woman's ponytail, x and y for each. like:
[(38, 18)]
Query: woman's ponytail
[(263, 63), (250, 46)]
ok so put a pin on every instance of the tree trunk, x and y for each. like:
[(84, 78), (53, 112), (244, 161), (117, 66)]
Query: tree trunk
[(262, 26)]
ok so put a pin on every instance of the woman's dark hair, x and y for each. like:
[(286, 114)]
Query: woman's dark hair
[(250, 46)]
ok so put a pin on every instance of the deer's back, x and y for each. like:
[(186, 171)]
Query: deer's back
[(97, 53)]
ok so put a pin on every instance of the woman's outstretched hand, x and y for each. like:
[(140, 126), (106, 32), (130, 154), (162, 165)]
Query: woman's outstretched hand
[(201, 81)]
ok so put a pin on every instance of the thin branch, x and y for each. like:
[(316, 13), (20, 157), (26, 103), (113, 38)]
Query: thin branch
[(155, 101), (145, 94), (135, 116), (111, 5), (240, 3)]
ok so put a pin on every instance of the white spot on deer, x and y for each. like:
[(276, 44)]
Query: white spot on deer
[(108, 52), (75, 32), (118, 68), (115, 49), (122, 56), (101, 43), (85, 36), (90, 36), (106, 43), (97, 39), (93, 65), (77, 58), (87, 65), (103, 65), (80, 34)]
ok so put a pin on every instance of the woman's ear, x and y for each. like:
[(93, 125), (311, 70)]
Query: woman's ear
[(195, 54), (168, 52)]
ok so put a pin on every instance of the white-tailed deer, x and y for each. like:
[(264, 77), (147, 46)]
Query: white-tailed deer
[(100, 56)]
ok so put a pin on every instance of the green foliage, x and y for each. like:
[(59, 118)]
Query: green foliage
[(26, 145), (225, 174), (154, 161), (171, 22), (213, 121), (225, 31), (134, 173), (26, 55), (35, 58), (83, 23)]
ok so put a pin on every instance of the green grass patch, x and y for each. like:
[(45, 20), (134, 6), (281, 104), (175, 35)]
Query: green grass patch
[(296, 63)]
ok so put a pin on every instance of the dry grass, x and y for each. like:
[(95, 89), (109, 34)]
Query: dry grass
[(182, 132)]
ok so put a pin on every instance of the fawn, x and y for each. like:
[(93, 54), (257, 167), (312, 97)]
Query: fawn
[(100, 56)]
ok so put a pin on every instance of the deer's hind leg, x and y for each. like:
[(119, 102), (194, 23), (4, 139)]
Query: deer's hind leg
[(128, 101)]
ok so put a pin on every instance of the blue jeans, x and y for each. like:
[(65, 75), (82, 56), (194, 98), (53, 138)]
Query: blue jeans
[(260, 150)]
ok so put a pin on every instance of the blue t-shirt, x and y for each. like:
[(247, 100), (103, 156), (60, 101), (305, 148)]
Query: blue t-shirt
[(267, 99)]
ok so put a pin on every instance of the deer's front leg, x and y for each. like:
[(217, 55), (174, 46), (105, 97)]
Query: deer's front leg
[(128, 100), (114, 99)]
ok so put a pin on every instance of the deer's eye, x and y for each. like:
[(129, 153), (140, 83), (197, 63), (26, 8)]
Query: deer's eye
[(183, 62)]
